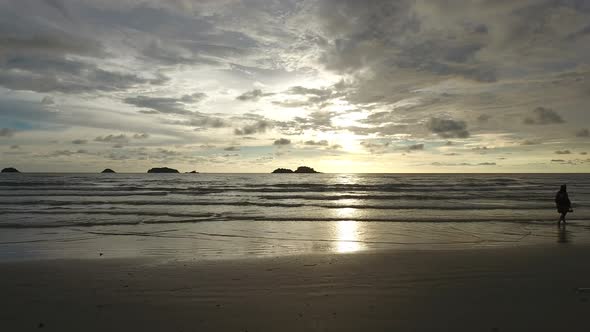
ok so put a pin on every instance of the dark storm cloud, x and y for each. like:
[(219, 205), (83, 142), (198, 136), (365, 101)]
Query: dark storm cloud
[(563, 152), (6, 132), (543, 116), (282, 142), (448, 128), (583, 133), (79, 141), (232, 148)]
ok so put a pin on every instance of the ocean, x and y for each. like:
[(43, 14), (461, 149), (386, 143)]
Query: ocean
[(234, 215)]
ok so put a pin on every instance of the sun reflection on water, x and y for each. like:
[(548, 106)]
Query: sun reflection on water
[(347, 235)]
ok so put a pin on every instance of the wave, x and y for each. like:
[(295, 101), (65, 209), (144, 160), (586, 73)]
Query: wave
[(572, 222), (450, 206)]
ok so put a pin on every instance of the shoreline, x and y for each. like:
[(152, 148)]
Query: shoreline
[(485, 289), (227, 240)]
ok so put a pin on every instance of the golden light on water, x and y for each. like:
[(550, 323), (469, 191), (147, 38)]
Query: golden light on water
[(347, 231), (347, 234)]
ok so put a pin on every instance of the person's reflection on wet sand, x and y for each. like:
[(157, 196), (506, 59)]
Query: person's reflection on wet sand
[(563, 235)]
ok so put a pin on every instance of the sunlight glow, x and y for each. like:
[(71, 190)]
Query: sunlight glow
[(347, 237)]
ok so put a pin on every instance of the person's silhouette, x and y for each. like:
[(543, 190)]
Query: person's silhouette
[(563, 204)]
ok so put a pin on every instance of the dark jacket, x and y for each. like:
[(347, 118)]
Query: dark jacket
[(562, 201)]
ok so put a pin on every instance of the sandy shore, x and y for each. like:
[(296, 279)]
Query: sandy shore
[(511, 289)]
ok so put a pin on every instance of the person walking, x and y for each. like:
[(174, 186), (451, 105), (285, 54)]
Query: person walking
[(563, 204)]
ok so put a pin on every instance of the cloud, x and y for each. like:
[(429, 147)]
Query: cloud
[(260, 126), (318, 121), (543, 116), (14, 147), (316, 143), (164, 105), (47, 100), (312, 96), (253, 95), (282, 142), (65, 153), (232, 148), (530, 142), (583, 133), (463, 164), (194, 98), (376, 148), (79, 141), (416, 147), (447, 128), (6, 132), (60, 74), (141, 136), (120, 139), (484, 118), (563, 152)]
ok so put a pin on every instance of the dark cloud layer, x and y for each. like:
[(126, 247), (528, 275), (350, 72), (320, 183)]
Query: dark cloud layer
[(259, 127), (282, 142), (543, 116), (448, 128)]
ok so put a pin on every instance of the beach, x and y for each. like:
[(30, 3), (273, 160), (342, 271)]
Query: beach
[(538, 288), (326, 252)]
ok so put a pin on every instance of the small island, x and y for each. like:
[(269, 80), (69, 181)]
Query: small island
[(192, 172), (282, 171), (10, 170), (300, 169), (162, 170), (108, 170)]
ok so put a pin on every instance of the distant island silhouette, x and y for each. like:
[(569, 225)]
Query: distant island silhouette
[(192, 172), (108, 170), (163, 170), (300, 169), (10, 170)]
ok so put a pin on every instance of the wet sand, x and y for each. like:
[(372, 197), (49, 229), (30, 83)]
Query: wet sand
[(497, 289)]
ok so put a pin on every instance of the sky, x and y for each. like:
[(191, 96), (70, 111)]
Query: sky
[(253, 85)]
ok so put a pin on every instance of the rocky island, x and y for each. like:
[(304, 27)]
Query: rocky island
[(192, 172), (162, 170), (108, 170), (282, 171), (10, 170), (300, 169)]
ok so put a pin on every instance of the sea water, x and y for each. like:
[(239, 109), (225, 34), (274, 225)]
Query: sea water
[(235, 215)]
